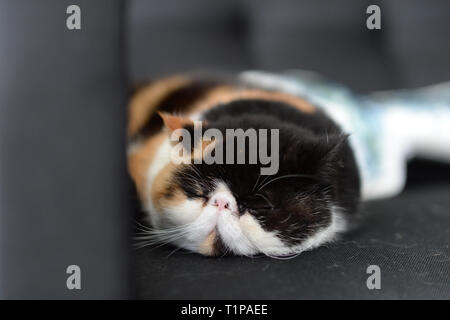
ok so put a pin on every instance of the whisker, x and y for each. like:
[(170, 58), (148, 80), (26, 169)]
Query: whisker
[(286, 257), (257, 181), (266, 178), (160, 237), (140, 225), (265, 198), (173, 251), (306, 176)]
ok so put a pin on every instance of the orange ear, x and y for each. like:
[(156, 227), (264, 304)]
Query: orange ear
[(174, 122)]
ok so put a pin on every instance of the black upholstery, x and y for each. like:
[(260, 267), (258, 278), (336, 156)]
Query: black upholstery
[(62, 163)]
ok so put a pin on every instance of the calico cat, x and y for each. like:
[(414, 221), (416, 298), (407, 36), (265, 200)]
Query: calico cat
[(219, 208)]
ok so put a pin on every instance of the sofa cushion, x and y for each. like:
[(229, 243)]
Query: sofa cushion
[(62, 155)]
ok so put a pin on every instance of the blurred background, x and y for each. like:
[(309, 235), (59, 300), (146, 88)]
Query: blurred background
[(64, 193), (330, 37)]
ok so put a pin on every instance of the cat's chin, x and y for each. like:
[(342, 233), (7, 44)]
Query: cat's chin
[(244, 236), (220, 233)]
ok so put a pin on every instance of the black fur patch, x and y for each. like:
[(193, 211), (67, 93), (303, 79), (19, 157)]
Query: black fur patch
[(317, 169), (176, 102)]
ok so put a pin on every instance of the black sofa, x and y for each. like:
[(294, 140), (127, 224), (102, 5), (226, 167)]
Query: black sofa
[(64, 195)]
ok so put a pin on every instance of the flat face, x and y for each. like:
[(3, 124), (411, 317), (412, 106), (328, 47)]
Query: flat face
[(273, 192)]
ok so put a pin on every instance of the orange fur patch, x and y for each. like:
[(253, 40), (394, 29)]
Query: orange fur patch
[(174, 122), (207, 246), (140, 158), (297, 102), (144, 103), (213, 98)]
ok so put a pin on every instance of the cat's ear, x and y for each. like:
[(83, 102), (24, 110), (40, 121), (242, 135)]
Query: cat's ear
[(173, 122)]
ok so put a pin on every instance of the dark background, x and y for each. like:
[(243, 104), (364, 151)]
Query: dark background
[(330, 37), (64, 194)]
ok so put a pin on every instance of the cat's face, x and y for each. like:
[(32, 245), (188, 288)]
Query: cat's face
[(215, 209)]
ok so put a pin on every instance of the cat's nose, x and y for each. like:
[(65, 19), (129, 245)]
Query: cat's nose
[(221, 202)]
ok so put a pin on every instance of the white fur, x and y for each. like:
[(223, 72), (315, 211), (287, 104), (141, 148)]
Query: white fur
[(324, 235), (266, 242), (198, 116), (161, 159), (199, 229), (270, 244), (228, 225), (184, 213)]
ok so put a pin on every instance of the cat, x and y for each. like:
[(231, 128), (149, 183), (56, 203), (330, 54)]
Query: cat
[(231, 208)]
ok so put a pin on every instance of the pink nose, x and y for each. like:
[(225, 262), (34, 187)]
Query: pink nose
[(221, 203)]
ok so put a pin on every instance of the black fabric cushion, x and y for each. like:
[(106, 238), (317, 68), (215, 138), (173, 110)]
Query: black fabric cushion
[(62, 156)]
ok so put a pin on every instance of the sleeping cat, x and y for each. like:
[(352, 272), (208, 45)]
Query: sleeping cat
[(219, 208)]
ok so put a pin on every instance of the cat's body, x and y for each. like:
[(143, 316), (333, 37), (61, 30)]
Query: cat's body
[(217, 208)]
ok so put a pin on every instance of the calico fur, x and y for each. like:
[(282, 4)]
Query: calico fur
[(307, 203)]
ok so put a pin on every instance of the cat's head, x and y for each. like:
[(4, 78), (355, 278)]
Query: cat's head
[(218, 208)]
